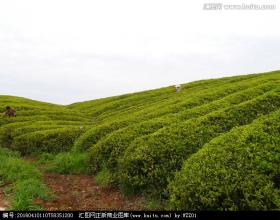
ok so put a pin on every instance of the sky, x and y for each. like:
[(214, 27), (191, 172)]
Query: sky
[(65, 51)]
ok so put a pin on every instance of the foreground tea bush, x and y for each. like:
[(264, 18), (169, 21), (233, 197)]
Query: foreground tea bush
[(236, 171), (25, 179), (150, 162)]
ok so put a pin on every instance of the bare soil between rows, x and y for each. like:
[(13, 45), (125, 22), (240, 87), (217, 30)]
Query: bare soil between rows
[(3, 202), (80, 192)]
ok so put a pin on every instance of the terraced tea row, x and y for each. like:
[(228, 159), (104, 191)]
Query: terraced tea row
[(187, 101), (109, 149), (148, 163)]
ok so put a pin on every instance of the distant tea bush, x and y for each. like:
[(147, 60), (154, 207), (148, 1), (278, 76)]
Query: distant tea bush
[(56, 140), (171, 106)]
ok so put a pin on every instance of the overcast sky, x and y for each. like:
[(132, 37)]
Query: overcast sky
[(64, 51)]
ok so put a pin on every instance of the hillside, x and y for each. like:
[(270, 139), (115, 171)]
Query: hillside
[(214, 145)]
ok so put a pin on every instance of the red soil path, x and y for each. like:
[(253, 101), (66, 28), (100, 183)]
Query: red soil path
[(3, 203), (80, 192)]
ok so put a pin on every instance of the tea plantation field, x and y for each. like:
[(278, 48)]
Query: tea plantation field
[(214, 145)]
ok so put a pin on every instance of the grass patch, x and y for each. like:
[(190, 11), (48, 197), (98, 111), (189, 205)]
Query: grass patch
[(155, 205), (104, 178), (26, 181), (65, 163)]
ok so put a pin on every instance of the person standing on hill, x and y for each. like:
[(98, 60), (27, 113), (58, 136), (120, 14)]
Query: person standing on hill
[(178, 88), (10, 112)]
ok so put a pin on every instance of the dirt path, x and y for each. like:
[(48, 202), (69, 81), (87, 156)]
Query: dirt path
[(80, 192), (3, 203)]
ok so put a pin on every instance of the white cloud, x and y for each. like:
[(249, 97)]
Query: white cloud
[(65, 51)]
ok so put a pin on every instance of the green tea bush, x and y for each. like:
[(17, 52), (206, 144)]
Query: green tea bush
[(160, 101), (149, 163), (94, 134), (139, 139), (34, 127), (9, 131), (201, 97), (53, 112), (229, 100), (107, 151), (6, 120), (147, 98), (6, 132), (108, 107), (22, 104), (186, 102), (235, 171), (146, 106), (44, 115), (55, 140)]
